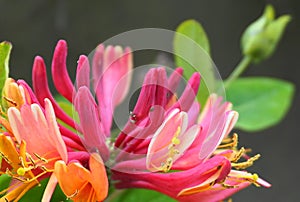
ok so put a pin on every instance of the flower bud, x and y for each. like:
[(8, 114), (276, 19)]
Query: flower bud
[(262, 36), (14, 95)]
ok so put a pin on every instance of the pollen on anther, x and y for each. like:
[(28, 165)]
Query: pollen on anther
[(21, 171), (175, 141)]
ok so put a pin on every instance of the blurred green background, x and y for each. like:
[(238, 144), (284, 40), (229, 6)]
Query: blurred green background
[(34, 27)]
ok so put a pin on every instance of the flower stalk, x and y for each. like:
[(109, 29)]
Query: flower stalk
[(240, 68)]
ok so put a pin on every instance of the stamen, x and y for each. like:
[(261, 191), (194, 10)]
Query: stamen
[(238, 155), (25, 166), (247, 177), (246, 164), (10, 101), (175, 141), (227, 186), (5, 158), (166, 166), (31, 160), (22, 171), (40, 158), (229, 142)]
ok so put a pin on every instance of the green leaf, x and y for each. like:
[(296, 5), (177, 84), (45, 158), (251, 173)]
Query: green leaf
[(138, 195), (68, 108), (261, 102), (5, 48), (191, 50), (36, 193), (4, 182), (194, 30), (65, 105)]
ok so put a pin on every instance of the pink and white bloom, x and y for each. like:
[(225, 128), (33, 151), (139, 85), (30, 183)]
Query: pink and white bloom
[(166, 134), (44, 143)]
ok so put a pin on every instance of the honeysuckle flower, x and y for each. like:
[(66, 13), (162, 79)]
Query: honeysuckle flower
[(110, 68), (110, 65), (14, 94), (163, 134), (37, 153), (81, 184), (14, 163)]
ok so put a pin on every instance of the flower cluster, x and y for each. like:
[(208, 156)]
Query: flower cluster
[(167, 145)]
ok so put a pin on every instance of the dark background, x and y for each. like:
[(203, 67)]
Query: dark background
[(35, 26)]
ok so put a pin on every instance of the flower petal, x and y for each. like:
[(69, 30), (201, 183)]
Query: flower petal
[(80, 184), (99, 180), (91, 125), (60, 75), (83, 72), (41, 89), (29, 123), (49, 188)]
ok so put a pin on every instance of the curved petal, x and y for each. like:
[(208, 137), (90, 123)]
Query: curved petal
[(60, 75), (51, 185), (99, 180), (91, 125), (29, 123), (80, 184), (83, 72), (41, 89)]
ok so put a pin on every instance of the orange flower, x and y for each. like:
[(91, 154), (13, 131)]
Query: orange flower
[(81, 184), (14, 163)]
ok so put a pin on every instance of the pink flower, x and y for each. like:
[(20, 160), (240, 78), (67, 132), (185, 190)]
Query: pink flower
[(110, 68), (165, 134), (44, 143)]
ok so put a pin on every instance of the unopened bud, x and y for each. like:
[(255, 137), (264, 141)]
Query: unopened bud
[(261, 37)]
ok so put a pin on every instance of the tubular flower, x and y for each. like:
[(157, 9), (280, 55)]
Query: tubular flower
[(33, 160), (164, 134), (109, 82), (14, 163), (15, 94), (80, 184)]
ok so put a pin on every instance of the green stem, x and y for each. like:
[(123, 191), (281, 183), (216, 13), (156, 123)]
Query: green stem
[(241, 67)]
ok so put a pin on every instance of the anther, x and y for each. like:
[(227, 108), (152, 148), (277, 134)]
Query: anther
[(230, 142), (5, 158), (238, 155), (245, 164), (31, 160), (227, 186), (10, 101), (167, 166)]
